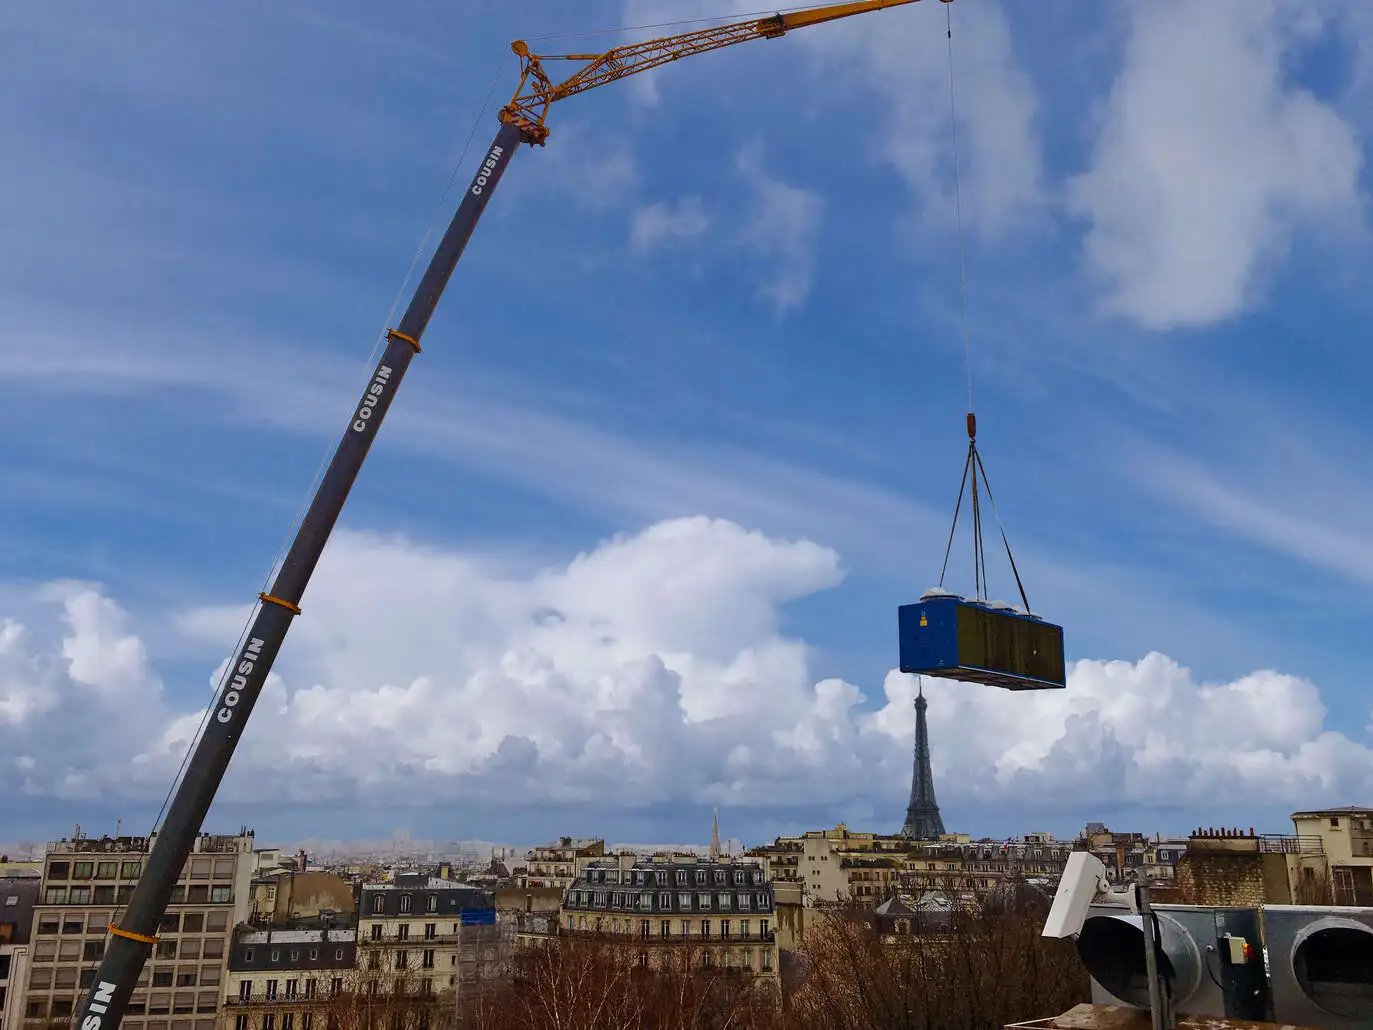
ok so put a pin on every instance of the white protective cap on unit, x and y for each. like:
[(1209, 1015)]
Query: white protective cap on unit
[(1084, 877)]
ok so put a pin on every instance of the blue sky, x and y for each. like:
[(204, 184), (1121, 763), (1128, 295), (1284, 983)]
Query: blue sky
[(729, 289)]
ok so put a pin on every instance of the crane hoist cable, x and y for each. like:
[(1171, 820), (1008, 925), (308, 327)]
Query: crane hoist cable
[(973, 463)]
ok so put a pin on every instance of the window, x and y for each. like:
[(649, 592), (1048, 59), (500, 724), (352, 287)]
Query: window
[(338, 954), (430, 930), (186, 979), (763, 929), (703, 902), (220, 894), (192, 922), (310, 987), (213, 947), (58, 870), (295, 955), (198, 894), (336, 985), (92, 951), (271, 990), (305, 1020), (705, 927), (724, 927), (743, 928), (216, 921), (276, 955), (166, 949), (171, 923), (405, 903), (684, 902), (767, 959), (403, 932), (72, 924), (83, 870), (86, 978), (269, 1021), (130, 870), (744, 904), (373, 960), (427, 961), (402, 959), (376, 931), (104, 895), (55, 896), (48, 924), (432, 903), (288, 1020), (314, 954), (291, 986), (377, 902), (644, 927), (162, 977), (240, 1022)]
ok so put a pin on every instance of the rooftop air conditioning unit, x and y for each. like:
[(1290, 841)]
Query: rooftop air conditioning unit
[(1320, 961), (1212, 964)]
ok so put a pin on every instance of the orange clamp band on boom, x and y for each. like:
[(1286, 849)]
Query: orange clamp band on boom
[(392, 334), (294, 609), (130, 935)]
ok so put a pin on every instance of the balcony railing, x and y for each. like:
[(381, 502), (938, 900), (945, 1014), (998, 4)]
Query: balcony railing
[(1291, 844)]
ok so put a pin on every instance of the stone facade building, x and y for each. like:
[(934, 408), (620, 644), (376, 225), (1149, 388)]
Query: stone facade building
[(437, 937), (722, 910), (282, 979)]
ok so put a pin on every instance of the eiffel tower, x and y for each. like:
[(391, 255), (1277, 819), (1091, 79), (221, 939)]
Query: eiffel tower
[(922, 814)]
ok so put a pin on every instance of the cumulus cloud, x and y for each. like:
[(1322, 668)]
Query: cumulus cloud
[(650, 669), (898, 62), (661, 222), (783, 229), (1210, 160)]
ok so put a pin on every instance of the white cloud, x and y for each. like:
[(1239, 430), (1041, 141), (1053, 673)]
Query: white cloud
[(1209, 161), (660, 222), (897, 62), (649, 669), (783, 228)]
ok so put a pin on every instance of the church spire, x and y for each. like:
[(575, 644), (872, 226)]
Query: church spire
[(715, 836), (923, 821)]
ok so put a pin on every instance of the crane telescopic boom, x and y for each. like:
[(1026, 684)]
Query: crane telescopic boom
[(522, 121)]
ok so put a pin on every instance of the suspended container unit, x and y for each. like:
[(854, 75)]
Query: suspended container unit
[(987, 642)]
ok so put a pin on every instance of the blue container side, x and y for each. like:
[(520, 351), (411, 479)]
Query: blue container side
[(928, 633)]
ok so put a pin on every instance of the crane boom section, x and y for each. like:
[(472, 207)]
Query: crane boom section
[(528, 109)]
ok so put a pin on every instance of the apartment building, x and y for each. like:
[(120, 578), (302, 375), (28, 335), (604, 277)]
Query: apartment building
[(722, 909), (1345, 836), (559, 863), (286, 979), (86, 879), (18, 896), (432, 937)]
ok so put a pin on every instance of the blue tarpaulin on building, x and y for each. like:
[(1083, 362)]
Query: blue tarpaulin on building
[(478, 917)]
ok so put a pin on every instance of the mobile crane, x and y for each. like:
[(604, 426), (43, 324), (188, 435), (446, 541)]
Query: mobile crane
[(522, 121)]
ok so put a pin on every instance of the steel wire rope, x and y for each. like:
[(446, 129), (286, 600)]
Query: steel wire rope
[(974, 460), (319, 470)]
